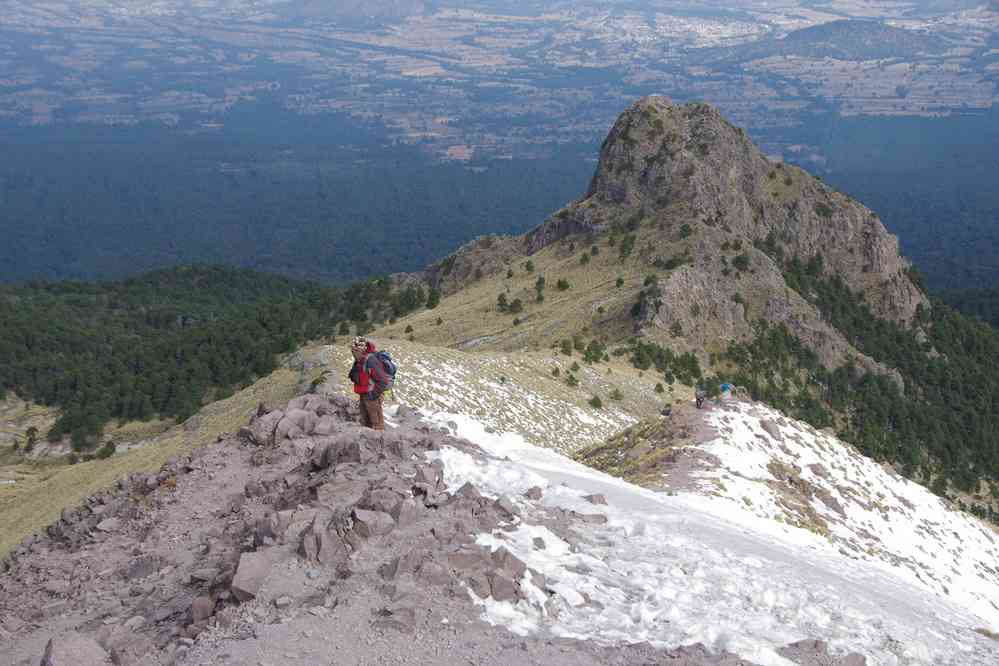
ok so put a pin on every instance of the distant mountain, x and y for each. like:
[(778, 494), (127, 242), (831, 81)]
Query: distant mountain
[(847, 39)]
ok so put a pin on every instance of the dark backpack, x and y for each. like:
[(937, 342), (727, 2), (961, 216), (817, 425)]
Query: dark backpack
[(388, 365)]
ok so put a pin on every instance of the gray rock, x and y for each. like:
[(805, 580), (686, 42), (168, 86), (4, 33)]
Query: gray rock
[(534, 493), (596, 499), (73, 649), (508, 562), (506, 506), (202, 608), (261, 430), (501, 586), (539, 543), (592, 518), (250, 575), (109, 525), (405, 512), (771, 429), (370, 524)]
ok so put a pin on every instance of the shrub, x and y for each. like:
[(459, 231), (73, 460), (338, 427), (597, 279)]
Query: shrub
[(676, 330), (106, 451), (509, 273), (575, 367), (571, 380), (685, 231), (501, 303), (620, 282), (409, 329), (659, 388), (516, 321), (650, 280), (566, 347), (556, 372), (516, 306), (529, 266), (562, 284), (695, 310), (478, 273), (616, 394), (600, 309), (823, 210), (433, 299), (584, 258), (596, 402), (627, 246), (594, 251), (439, 321), (741, 262)]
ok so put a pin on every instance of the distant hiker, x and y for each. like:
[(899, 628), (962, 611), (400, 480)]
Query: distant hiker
[(700, 395), (372, 374), (727, 390)]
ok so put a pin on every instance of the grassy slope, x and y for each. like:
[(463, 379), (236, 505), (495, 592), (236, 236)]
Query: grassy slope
[(471, 319), (44, 488)]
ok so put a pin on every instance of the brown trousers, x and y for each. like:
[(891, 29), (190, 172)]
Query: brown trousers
[(371, 414)]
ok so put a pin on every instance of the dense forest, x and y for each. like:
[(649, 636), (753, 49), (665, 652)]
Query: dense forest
[(161, 344), (979, 303), (322, 199)]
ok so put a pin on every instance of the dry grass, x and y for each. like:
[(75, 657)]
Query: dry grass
[(472, 321)]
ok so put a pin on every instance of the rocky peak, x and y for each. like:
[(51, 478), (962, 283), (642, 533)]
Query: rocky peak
[(688, 165)]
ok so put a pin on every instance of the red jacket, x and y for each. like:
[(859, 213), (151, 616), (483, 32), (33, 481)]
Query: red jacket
[(368, 375)]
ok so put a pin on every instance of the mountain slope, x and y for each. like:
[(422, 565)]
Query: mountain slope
[(502, 533), (690, 241)]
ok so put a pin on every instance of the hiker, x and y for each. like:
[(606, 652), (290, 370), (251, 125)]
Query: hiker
[(700, 395), (727, 391), (371, 378)]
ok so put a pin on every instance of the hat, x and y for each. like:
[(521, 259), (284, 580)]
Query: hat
[(359, 343)]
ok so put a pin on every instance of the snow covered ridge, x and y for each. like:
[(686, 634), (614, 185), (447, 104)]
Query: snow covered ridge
[(676, 569), (786, 472)]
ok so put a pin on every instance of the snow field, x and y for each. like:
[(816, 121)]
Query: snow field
[(873, 514), (675, 570)]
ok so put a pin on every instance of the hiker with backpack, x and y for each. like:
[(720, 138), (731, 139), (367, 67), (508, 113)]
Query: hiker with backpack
[(372, 374)]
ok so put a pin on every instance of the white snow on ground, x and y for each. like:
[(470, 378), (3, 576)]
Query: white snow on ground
[(489, 387), (679, 569)]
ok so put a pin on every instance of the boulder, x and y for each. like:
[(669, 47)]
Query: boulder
[(595, 499), (381, 499), (325, 425), (321, 543), (303, 419), (73, 649), (370, 524), (251, 572), (405, 512), (202, 608), (771, 429), (262, 429), (501, 586), (506, 506), (534, 493), (508, 562)]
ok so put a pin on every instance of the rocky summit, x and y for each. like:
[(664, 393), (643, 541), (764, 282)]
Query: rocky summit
[(717, 222)]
